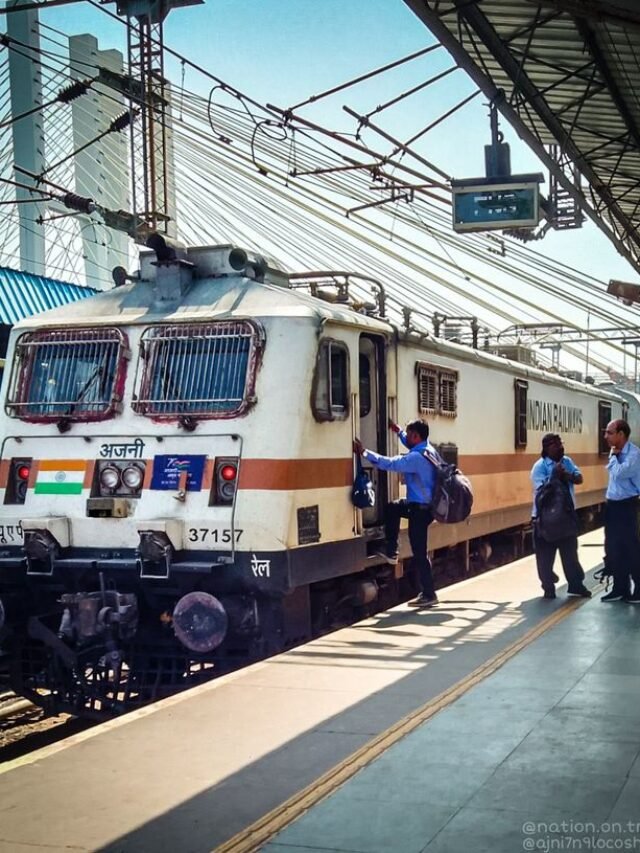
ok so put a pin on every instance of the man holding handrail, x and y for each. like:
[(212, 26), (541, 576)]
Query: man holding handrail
[(420, 477)]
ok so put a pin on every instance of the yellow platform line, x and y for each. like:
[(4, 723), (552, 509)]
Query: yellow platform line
[(264, 829)]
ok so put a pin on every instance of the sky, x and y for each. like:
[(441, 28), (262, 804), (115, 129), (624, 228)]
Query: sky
[(284, 51)]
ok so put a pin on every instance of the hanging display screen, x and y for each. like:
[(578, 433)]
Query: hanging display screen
[(491, 206)]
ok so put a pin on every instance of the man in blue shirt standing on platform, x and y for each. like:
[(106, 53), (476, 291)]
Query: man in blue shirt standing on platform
[(420, 478), (621, 536), (553, 463)]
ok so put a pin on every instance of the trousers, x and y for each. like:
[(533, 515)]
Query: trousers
[(420, 517), (546, 555), (622, 544)]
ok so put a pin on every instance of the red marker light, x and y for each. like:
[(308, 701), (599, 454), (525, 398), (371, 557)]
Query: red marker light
[(228, 472), (23, 472)]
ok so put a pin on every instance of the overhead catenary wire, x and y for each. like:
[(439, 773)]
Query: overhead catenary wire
[(361, 240)]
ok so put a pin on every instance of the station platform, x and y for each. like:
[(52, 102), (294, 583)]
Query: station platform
[(496, 721)]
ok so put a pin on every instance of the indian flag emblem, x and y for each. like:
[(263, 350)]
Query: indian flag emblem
[(60, 477)]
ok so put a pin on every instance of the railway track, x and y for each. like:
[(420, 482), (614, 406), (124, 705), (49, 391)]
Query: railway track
[(24, 727)]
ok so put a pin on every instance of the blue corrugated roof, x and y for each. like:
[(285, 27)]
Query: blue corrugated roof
[(23, 294)]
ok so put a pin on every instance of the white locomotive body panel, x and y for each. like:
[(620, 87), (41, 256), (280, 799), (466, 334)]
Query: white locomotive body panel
[(237, 484)]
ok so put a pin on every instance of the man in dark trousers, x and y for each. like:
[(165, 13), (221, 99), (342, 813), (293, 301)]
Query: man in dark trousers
[(420, 477), (554, 463), (621, 537)]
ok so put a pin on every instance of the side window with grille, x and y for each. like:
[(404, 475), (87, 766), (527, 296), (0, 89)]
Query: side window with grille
[(437, 390), (521, 387), (330, 395), (427, 389), (604, 417), (448, 393)]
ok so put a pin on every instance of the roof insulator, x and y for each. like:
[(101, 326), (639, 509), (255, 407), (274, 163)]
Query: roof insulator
[(70, 93), (120, 122), (78, 202)]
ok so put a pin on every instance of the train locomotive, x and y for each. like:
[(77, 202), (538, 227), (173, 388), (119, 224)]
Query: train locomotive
[(176, 468)]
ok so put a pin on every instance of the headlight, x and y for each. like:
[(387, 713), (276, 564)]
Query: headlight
[(132, 477), (110, 478)]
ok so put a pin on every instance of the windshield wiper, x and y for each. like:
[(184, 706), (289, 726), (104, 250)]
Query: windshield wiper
[(98, 373)]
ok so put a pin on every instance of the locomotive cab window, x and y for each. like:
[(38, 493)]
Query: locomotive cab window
[(67, 375), (330, 400), (604, 417), (437, 390), (204, 370)]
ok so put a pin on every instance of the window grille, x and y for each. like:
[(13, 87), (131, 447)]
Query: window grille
[(198, 370), (427, 389), (71, 374), (448, 393)]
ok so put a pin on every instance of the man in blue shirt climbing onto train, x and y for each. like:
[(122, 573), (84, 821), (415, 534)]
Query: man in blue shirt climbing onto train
[(420, 478)]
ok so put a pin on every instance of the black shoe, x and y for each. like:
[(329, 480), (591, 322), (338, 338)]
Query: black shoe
[(612, 596), (549, 593), (392, 559), (580, 592), (424, 600), (554, 577), (634, 598)]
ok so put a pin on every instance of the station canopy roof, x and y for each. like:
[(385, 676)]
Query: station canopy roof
[(570, 73), (23, 294)]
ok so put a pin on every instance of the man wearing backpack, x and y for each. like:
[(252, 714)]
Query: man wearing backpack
[(420, 478), (554, 467)]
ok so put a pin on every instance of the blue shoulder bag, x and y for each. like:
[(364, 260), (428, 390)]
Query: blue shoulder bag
[(362, 493)]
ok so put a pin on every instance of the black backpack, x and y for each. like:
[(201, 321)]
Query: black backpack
[(452, 495), (557, 517)]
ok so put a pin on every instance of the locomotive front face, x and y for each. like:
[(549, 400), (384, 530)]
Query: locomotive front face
[(172, 450), (114, 465), (135, 540)]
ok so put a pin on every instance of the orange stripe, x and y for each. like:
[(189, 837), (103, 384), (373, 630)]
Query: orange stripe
[(4, 473), (292, 474), (207, 476), (33, 473), (88, 475), (298, 474), (495, 463), (63, 464), (148, 473)]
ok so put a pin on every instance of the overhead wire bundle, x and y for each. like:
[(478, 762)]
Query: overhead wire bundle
[(246, 173)]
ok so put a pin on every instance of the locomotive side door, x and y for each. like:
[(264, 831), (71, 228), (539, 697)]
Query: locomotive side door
[(372, 417)]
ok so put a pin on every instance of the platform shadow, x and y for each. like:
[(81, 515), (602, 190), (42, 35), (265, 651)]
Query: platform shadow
[(474, 632)]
